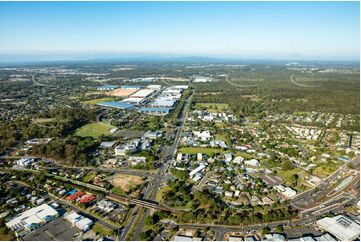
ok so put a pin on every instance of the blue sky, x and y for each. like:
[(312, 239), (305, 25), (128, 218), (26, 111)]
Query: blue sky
[(268, 30)]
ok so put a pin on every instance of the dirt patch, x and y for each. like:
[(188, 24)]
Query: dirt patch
[(121, 92), (126, 182)]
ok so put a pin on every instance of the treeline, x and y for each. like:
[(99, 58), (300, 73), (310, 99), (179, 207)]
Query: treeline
[(335, 93), (63, 121)]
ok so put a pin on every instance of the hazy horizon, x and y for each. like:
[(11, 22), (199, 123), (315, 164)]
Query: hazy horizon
[(249, 30)]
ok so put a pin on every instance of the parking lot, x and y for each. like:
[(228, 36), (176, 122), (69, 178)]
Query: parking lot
[(58, 229)]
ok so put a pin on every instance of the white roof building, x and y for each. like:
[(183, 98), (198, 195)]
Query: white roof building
[(341, 227), (238, 160), (154, 87), (287, 192), (228, 194), (252, 162), (179, 157), (205, 135), (79, 221), (198, 169), (32, 218), (143, 93), (25, 161)]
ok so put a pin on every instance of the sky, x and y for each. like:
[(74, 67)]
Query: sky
[(266, 30)]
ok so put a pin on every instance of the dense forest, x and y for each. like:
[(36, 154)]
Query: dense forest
[(58, 122)]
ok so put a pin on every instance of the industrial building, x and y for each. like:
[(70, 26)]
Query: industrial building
[(162, 102), (31, 219), (341, 227), (131, 87), (144, 93), (107, 87), (135, 100), (155, 110), (120, 105)]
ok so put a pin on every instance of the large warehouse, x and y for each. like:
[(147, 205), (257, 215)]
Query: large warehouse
[(341, 227), (114, 104), (142, 93), (32, 219)]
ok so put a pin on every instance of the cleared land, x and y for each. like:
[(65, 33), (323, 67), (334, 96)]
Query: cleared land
[(126, 182), (196, 150), (43, 120), (94, 130), (96, 101), (121, 92), (101, 229)]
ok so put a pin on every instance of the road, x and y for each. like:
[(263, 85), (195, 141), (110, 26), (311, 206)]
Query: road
[(303, 200), (159, 178)]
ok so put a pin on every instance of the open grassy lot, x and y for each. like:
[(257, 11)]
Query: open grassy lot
[(101, 229), (89, 177), (126, 182), (94, 129), (213, 107), (195, 150), (288, 177), (325, 169), (96, 101)]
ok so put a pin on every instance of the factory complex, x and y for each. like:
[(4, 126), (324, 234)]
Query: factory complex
[(152, 99)]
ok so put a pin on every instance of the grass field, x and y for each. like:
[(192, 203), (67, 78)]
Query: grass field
[(213, 107), (101, 229), (126, 182), (195, 150), (94, 130), (89, 177), (288, 177), (96, 101)]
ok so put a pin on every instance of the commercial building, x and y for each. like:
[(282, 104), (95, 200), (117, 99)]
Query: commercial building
[(25, 161), (115, 104), (79, 221), (106, 205), (286, 192), (155, 110), (341, 227), (31, 219)]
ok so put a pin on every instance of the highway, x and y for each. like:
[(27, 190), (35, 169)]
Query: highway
[(159, 178)]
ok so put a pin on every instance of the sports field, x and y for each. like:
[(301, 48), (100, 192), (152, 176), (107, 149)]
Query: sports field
[(94, 130)]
